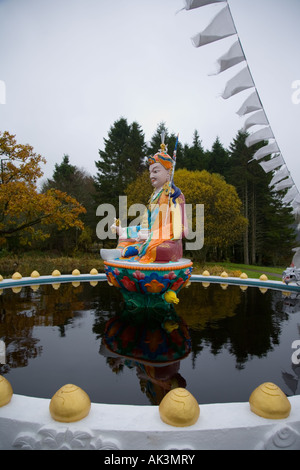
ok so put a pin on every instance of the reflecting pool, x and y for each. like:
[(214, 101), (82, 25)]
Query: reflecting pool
[(220, 343)]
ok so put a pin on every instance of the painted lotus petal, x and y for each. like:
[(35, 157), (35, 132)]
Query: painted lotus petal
[(187, 282), (146, 283), (154, 286), (170, 276), (128, 284), (112, 280), (138, 275), (177, 284)]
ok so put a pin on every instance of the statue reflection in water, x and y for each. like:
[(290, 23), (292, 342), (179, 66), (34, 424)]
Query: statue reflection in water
[(152, 342)]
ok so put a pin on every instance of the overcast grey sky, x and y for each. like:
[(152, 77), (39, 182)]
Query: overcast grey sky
[(73, 67)]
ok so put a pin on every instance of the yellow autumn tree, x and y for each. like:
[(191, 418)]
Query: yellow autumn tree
[(224, 223), (23, 210)]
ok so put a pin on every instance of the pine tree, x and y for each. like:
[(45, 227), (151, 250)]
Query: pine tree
[(135, 150), (75, 182), (217, 159), (280, 236), (269, 232), (240, 176), (120, 162), (193, 157), (63, 172)]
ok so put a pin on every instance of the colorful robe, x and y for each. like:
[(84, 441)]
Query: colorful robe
[(167, 225)]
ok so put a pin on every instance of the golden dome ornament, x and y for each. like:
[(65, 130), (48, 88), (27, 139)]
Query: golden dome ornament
[(224, 275), (75, 273), (16, 276), (56, 286), (16, 290), (35, 274), (35, 287), (205, 284), (56, 273), (179, 408), (6, 391), (263, 290), (69, 404), (93, 272), (269, 401)]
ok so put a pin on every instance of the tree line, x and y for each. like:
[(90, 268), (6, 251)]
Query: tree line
[(245, 219)]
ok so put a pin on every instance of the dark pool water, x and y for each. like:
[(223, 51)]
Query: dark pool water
[(224, 344)]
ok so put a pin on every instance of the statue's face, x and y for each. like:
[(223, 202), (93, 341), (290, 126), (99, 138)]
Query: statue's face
[(158, 175)]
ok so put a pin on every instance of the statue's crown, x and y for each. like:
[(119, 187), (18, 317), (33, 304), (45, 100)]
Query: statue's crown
[(162, 156)]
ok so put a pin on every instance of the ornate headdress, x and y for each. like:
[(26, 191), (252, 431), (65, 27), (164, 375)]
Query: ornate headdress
[(162, 156)]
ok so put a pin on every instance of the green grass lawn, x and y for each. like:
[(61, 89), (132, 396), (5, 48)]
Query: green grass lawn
[(258, 269), (45, 264), (235, 270)]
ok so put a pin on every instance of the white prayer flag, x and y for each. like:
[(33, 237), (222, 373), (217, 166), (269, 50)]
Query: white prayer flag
[(282, 173), (296, 206), (241, 81), (267, 150), (252, 103), (290, 195), (296, 212), (272, 164), (190, 4), (220, 27), (287, 183), (258, 118), (296, 202), (259, 136), (296, 257), (234, 56)]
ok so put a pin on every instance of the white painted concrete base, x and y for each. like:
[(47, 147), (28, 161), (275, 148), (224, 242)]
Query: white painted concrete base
[(25, 423)]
